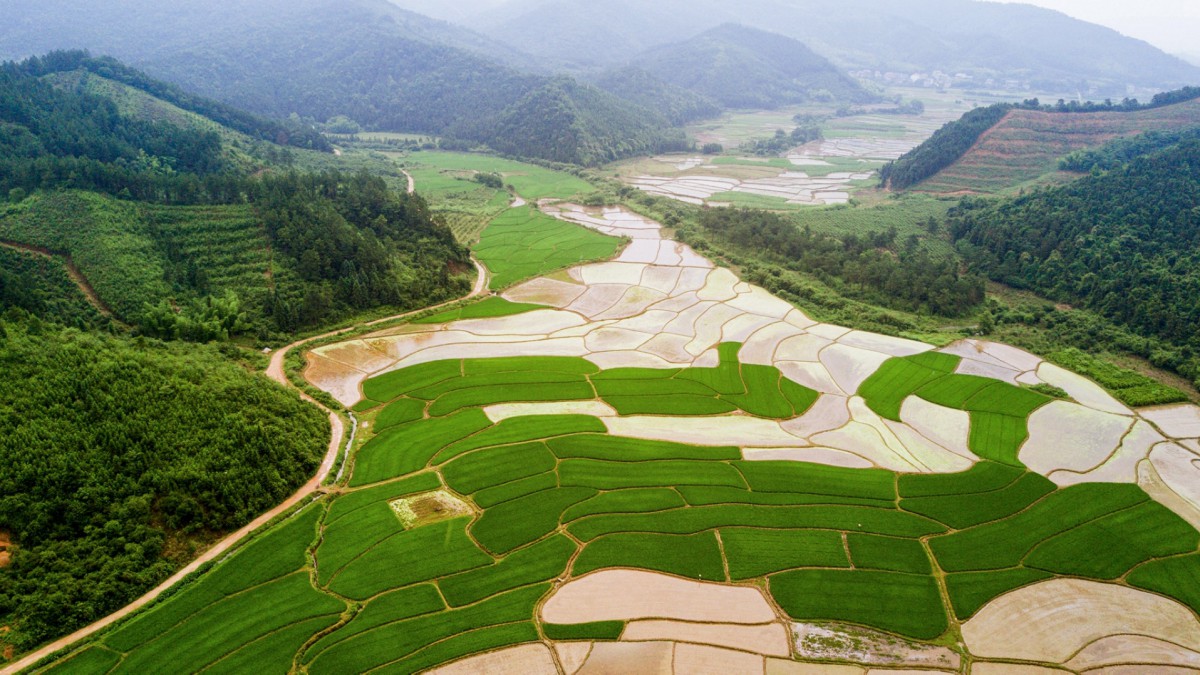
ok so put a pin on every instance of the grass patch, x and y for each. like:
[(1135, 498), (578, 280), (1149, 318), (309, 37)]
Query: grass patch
[(232, 623), (94, 659), (619, 475), (524, 520), (397, 383), (541, 562), (1178, 578), (818, 479), (755, 553), (1005, 543), (868, 551), (907, 604), (694, 556), (489, 308), (619, 449), (646, 500), (983, 477), (509, 491), (524, 243), (268, 557), (1129, 387), (400, 411), (529, 180), (970, 591), (409, 448), (405, 603), (1126, 539), (410, 557), (496, 466), (960, 513), (387, 643), (522, 430), (698, 519), (599, 630)]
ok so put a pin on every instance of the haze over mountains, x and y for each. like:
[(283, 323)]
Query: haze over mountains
[(986, 40), (391, 69)]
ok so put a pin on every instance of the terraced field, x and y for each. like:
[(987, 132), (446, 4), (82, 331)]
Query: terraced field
[(647, 465), (447, 181), (1027, 145)]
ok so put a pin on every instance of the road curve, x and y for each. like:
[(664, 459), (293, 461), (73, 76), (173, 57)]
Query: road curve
[(276, 372)]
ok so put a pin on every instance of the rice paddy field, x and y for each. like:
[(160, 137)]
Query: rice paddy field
[(447, 181), (648, 465), (822, 173)]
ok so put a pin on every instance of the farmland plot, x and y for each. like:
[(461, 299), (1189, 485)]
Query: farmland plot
[(618, 509)]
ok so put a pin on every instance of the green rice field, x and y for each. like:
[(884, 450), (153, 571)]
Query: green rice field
[(350, 583)]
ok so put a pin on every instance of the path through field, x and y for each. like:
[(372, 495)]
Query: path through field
[(77, 277), (276, 372)]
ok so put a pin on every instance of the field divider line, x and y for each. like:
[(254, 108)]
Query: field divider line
[(276, 372)]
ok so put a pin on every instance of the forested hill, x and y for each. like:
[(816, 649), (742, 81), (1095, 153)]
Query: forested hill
[(1125, 244), (678, 105), (283, 132), (744, 67), (366, 59), (180, 242)]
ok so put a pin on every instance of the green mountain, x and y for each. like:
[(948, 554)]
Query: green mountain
[(1124, 243), (565, 121), (185, 228), (985, 40), (744, 67), (678, 105), (383, 67)]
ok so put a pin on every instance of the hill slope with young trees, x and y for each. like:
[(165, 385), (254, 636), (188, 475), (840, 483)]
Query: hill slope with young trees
[(385, 68), (183, 243), (1003, 146), (1125, 244)]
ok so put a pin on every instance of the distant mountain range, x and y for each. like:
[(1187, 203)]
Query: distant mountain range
[(1041, 48), (380, 65)]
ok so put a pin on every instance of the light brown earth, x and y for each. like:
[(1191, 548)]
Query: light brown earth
[(624, 595), (623, 658), (5, 549), (523, 660), (767, 639), (1052, 621)]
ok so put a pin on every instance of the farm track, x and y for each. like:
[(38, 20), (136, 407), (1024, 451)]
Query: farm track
[(276, 372), (77, 277)]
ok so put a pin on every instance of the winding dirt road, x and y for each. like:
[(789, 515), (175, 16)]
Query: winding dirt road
[(276, 372)]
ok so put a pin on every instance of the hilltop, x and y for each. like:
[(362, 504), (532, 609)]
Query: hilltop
[(744, 67)]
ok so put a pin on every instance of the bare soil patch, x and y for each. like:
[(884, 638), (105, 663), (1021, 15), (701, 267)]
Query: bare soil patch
[(854, 644), (5, 549), (429, 508)]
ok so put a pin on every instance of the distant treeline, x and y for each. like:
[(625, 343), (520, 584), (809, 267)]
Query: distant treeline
[(123, 456), (872, 267), (955, 139)]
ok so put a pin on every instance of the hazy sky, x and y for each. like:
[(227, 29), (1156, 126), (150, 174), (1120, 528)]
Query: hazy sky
[(1171, 25)]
